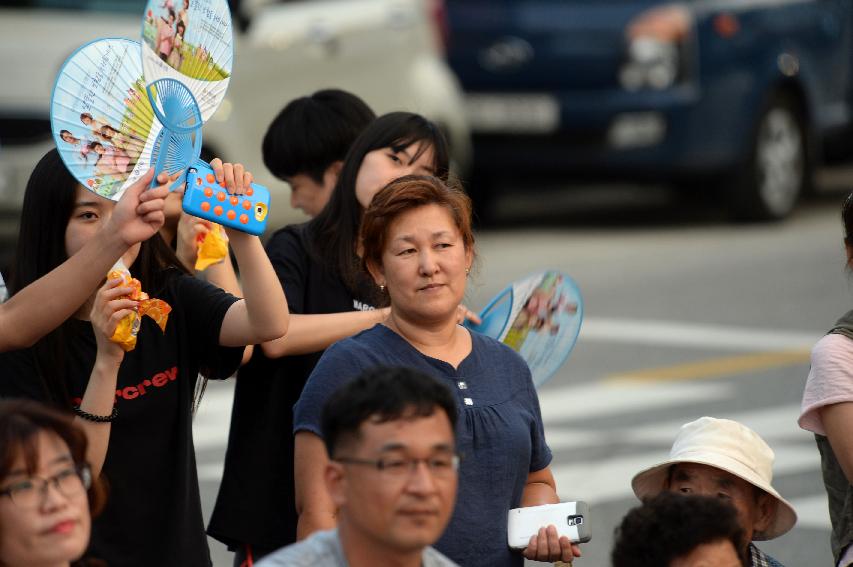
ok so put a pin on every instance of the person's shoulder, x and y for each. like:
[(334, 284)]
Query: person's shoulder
[(434, 558), (760, 559), (297, 230), (496, 351), (289, 235), (363, 341), (833, 345), (321, 548)]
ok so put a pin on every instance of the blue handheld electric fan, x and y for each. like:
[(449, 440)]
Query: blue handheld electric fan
[(179, 143), (178, 148)]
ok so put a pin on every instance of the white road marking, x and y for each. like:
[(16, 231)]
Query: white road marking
[(675, 334)]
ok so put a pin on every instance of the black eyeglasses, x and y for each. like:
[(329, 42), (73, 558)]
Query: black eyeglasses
[(70, 482), (440, 466)]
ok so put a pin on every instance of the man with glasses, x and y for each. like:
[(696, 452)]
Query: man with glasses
[(392, 474)]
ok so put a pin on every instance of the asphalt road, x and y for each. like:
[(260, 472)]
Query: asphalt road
[(686, 315)]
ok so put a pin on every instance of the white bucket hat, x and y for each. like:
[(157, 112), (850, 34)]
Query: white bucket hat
[(729, 446)]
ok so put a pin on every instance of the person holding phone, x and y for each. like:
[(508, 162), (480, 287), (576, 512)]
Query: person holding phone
[(418, 246), (136, 406), (43, 304)]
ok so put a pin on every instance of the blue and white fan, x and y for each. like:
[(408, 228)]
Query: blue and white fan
[(103, 124), (538, 316)]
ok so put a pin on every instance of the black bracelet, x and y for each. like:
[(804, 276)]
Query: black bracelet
[(96, 418)]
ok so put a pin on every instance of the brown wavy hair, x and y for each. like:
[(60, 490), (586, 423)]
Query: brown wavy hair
[(405, 194)]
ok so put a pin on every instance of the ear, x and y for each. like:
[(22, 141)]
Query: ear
[(849, 249), (469, 258), (331, 175), (764, 511), (376, 272), (336, 483)]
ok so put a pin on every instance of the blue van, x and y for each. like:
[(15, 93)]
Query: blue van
[(742, 96)]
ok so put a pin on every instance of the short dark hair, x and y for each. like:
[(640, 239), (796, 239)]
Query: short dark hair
[(387, 392), (312, 132), (670, 526)]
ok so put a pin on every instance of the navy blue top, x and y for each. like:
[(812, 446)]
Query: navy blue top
[(499, 432)]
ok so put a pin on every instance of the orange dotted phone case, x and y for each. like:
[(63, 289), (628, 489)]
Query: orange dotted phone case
[(207, 199)]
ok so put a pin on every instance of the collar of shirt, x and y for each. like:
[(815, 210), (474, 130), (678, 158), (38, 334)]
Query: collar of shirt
[(758, 558)]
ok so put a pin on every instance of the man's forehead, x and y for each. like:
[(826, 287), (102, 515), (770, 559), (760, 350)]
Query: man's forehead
[(694, 470), (407, 430)]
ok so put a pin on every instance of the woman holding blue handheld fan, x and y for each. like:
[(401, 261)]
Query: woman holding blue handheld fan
[(135, 401), (418, 246), (330, 298)]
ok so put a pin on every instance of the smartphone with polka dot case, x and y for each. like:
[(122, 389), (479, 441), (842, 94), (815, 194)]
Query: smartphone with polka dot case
[(209, 200)]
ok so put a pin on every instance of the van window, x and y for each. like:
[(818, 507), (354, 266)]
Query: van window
[(120, 6)]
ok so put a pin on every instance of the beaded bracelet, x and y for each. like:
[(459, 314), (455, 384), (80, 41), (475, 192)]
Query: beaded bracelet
[(96, 418)]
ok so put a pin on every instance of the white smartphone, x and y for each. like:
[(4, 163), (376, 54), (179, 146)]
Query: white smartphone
[(570, 518)]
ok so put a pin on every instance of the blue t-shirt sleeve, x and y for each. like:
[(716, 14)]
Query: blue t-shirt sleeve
[(339, 365), (540, 456)]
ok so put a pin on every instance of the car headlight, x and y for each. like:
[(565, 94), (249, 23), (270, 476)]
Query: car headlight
[(656, 42)]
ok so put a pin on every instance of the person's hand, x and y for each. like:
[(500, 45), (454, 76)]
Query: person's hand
[(547, 545), (138, 215), (236, 178), (191, 231), (463, 314), (109, 308)]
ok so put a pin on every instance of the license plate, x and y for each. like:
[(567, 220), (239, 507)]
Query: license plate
[(508, 113)]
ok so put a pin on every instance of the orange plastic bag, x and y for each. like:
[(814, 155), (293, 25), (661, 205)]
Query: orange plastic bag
[(212, 248), (128, 328)]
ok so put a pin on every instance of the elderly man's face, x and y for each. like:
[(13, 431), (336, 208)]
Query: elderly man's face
[(754, 508), (397, 507)]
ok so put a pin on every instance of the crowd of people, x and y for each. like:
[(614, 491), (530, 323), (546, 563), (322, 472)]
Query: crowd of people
[(368, 427)]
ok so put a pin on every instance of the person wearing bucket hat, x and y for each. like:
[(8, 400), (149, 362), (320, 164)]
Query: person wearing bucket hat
[(726, 459)]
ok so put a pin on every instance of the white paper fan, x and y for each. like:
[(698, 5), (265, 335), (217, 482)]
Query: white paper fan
[(191, 41), (101, 118)]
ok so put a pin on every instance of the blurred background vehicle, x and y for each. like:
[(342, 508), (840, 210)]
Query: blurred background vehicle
[(740, 97), (389, 52)]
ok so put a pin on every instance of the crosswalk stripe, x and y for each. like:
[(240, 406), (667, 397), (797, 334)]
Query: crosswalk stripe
[(597, 399), (676, 334)]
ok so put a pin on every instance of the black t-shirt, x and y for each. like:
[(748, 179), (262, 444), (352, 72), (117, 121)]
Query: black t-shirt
[(256, 502), (153, 511)]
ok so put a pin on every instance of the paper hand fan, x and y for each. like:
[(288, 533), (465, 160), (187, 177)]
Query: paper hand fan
[(102, 121), (190, 41), (539, 317)]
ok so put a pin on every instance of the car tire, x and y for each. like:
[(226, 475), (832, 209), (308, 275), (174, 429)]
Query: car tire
[(777, 170)]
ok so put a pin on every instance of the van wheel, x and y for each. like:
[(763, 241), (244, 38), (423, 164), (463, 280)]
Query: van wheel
[(778, 168)]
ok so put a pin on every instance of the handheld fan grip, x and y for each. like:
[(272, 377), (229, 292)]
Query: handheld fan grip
[(207, 199), (179, 143)]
